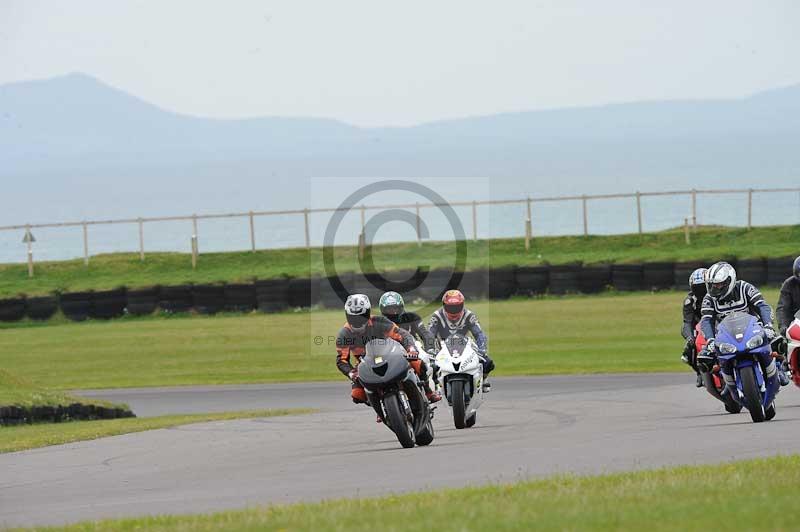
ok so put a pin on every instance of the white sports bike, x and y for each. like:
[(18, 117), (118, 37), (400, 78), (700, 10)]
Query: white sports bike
[(460, 379)]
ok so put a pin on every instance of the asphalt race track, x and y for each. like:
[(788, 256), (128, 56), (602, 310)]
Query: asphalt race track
[(528, 427)]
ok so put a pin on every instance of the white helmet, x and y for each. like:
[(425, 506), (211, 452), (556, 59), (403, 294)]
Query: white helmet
[(357, 309), (720, 279)]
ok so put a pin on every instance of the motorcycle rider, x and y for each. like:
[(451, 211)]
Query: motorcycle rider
[(361, 328), (692, 306), (454, 318), (393, 307), (727, 295), (789, 300)]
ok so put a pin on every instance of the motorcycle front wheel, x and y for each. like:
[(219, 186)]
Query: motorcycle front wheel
[(398, 422), (752, 394), (459, 404)]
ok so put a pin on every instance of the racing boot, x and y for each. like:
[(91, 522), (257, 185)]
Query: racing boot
[(783, 378), (699, 381), (433, 397), (486, 387)]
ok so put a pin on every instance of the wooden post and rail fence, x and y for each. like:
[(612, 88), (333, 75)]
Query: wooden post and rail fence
[(690, 223)]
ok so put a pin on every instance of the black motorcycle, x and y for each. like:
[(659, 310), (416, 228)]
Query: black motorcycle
[(395, 392)]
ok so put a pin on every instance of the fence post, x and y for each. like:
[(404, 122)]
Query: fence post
[(194, 229), (528, 227), (639, 210), (141, 240), (252, 233), (585, 217), (686, 234), (694, 209), (85, 244), (749, 209), (194, 252), (308, 236), (419, 227), (474, 221), (29, 242)]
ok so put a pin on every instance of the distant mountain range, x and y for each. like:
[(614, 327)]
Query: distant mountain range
[(104, 150)]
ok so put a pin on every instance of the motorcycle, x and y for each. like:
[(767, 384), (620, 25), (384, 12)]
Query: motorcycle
[(793, 348), (460, 378), (395, 392), (713, 381), (742, 342)]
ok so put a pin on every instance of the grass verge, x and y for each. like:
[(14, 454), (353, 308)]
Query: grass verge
[(576, 334), (23, 437), (746, 493), (20, 392), (125, 269)]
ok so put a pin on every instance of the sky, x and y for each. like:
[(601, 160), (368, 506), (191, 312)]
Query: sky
[(381, 63)]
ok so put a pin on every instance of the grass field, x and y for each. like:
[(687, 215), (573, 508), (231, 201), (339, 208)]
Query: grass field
[(111, 271), (577, 334), (18, 438), (749, 495), (20, 392)]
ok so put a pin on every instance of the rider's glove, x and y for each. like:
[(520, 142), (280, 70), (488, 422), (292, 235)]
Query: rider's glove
[(412, 353), (353, 375), (711, 347), (706, 357), (769, 332)]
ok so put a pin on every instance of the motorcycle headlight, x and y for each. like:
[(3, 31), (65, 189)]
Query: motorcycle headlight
[(755, 341), (727, 349)]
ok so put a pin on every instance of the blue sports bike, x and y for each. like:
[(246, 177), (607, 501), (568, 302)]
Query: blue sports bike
[(742, 343)]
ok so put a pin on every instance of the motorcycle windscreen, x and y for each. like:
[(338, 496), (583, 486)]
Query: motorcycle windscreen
[(384, 362), (456, 344), (736, 324)]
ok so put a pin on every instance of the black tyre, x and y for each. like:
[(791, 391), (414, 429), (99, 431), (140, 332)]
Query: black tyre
[(752, 394), (398, 421), (459, 404), (769, 413), (472, 419)]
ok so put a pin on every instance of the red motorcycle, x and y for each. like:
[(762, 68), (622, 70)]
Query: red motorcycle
[(713, 380), (793, 348)]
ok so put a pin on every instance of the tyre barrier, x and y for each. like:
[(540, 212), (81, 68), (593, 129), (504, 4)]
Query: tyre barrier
[(372, 285), (76, 306), (532, 280), (594, 279), (502, 282), (683, 270), (21, 415), (240, 297), (108, 304), (753, 271), (402, 281), (272, 295), (303, 292), (565, 279), (12, 309), (475, 284), (658, 275), (41, 308), (778, 270), (175, 299), (627, 277), (436, 283), (143, 301), (332, 296), (208, 298)]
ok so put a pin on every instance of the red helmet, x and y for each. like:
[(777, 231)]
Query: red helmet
[(453, 303)]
